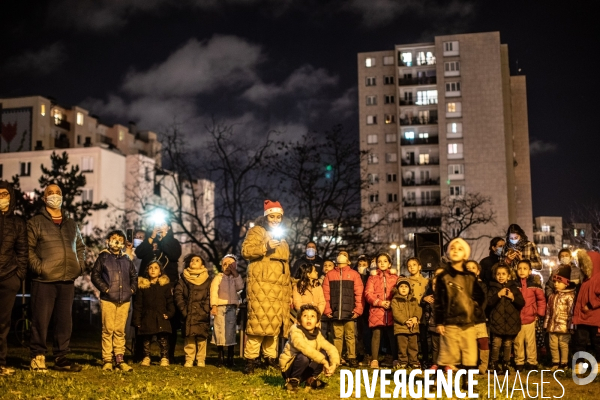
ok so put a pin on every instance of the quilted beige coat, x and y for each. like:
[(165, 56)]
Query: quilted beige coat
[(268, 287)]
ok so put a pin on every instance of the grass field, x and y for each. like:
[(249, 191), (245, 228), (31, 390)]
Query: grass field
[(177, 382)]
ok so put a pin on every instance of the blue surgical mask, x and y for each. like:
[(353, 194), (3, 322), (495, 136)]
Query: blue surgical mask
[(137, 242), (310, 252), (499, 251), (513, 241)]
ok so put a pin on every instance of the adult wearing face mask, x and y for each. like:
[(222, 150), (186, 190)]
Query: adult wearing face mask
[(309, 257), (518, 247), (13, 264), (496, 248), (138, 238), (565, 262), (56, 259)]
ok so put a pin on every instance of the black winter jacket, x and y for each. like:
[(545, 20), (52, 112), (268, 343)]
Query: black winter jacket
[(428, 312), (169, 251), (193, 301), (317, 262), (115, 277), (457, 298), (13, 240), (480, 316), (505, 315), (56, 252), (152, 302), (486, 267)]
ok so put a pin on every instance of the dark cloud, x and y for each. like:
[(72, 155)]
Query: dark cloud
[(38, 62)]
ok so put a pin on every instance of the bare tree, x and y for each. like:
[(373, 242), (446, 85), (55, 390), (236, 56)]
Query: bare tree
[(585, 217)]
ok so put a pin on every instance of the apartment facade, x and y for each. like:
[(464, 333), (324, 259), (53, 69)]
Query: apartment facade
[(440, 120)]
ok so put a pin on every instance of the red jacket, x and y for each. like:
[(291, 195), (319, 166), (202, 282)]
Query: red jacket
[(589, 296), (380, 287), (343, 290), (535, 300)]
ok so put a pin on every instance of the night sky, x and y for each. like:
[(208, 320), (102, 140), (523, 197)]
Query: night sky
[(291, 66)]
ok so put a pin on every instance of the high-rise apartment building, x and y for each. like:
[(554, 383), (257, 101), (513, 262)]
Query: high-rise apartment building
[(440, 120)]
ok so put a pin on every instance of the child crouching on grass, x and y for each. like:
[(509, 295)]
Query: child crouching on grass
[(115, 277), (192, 296), (152, 309), (307, 353)]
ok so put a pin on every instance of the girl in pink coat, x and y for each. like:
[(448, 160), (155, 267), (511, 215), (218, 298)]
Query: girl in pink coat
[(379, 293)]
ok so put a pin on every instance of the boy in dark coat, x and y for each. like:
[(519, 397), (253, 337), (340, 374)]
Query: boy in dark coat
[(504, 304), (114, 276), (407, 313), (152, 309), (192, 296)]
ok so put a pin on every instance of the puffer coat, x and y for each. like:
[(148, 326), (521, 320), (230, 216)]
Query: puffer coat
[(505, 314), (559, 311), (380, 287), (56, 252), (152, 302), (343, 290), (13, 240), (193, 301), (535, 301), (115, 277), (268, 288), (587, 309), (403, 309)]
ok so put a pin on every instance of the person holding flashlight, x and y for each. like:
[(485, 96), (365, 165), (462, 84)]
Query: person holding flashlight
[(269, 289)]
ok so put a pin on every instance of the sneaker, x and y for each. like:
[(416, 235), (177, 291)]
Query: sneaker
[(415, 366), (402, 365), (352, 363), (367, 359), (201, 363), (63, 364), (145, 362), (315, 383), (395, 364), (188, 363), (123, 366), (563, 366), (519, 368), (292, 385), (5, 371), (434, 367), (343, 362), (38, 364), (554, 367), (374, 364), (108, 366), (164, 362)]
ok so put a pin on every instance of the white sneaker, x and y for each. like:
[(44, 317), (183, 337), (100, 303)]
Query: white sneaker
[(201, 363), (189, 364), (164, 362), (145, 362), (38, 364)]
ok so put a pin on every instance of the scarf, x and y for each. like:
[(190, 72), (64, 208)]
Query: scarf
[(195, 276), (520, 245), (310, 336)]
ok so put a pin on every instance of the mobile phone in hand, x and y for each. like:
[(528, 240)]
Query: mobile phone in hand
[(130, 235)]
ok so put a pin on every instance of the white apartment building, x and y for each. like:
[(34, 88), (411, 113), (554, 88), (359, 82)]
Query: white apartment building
[(440, 120)]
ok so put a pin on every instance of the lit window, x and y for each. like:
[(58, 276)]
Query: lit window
[(121, 136), (374, 217), (370, 81), (423, 158), (575, 232), (391, 157), (371, 100), (406, 58), (373, 159), (427, 97), (410, 135), (452, 148), (455, 127), (373, 178), (370, 62), (451, 107), (545, 228), (388, 80), (582, 233), (57, 117), (372, 139), (388, 99), (80, 119), (425, 58), (423, 135), (390, 138), (371, 119), (388, 60), (390, 118), (43, 110)]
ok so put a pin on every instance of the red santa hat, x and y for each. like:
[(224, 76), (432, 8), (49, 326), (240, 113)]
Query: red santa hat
[(272, 207)]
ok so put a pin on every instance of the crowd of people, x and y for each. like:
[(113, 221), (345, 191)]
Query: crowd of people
[(485, 315)]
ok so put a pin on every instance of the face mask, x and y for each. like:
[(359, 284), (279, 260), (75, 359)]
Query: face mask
[(565, 260), (4, 203), (54, 201), (499, 251), (137, 242), (310, 252), (513, 241), (362, 270)]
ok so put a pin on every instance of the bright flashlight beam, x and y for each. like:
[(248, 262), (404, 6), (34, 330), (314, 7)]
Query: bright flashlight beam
[(277, 232), (158, 217)]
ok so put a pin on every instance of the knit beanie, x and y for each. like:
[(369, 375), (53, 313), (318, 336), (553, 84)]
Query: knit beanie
[(463, 243), (272, 207), (403, 280)]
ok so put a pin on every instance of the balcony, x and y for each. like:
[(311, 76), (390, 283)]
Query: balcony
[(418, 121), (432, 161), (424, 221), (436, 201), (417, 141), (421, 80), (62, 142), (62, 123), (418, 182), (418, 62)]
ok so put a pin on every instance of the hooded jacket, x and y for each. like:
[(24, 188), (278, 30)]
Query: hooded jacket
[(587, 308), (13, 240), (380, 287), (115, 277), (268, 287), (152, 302), (535, 301), (56, 252), (505, 314), (343, 290), (193, 301), (457, 298), (298, 343), (403, 309), (559, 311), (168, 253)]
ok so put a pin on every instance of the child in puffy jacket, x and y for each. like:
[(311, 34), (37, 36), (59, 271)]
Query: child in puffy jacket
[(115, 277), (535, 307), (379, 293), (407, 314), (504, 304), (559, 315), (192, 296)]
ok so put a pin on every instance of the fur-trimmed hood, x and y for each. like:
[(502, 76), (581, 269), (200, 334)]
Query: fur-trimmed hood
[(585, 263), (144, 283), (532, 281)]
